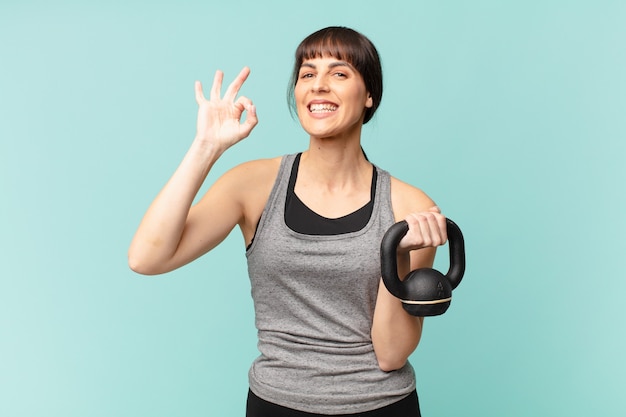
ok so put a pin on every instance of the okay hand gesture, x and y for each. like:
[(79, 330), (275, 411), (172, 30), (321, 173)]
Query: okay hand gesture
[(220, 118)]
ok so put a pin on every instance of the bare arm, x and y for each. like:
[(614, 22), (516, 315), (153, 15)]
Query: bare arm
[(172, 232), (395, 333)]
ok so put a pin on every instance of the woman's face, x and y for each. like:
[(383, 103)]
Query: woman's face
[(330, 97)]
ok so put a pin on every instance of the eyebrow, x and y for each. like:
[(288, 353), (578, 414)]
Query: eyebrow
[(331, 65)]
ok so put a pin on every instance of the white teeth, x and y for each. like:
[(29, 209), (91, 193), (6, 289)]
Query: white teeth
[(322, 108)]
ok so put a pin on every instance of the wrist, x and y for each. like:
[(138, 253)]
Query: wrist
[(206, 148)]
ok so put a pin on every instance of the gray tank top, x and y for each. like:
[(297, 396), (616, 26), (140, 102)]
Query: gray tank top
[(314, 299)]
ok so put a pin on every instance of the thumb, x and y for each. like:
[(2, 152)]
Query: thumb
[(434, 209)]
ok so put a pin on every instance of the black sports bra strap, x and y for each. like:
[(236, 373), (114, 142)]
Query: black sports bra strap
[(302, 219)]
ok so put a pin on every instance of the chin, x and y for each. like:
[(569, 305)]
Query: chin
[(317, 131), (321, 133)]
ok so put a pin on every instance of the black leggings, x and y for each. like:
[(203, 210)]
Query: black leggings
[(407, 407)]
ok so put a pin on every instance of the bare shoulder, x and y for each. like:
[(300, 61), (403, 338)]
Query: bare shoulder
[(406, 198), (251, 184), (261, 169), (252, 174)]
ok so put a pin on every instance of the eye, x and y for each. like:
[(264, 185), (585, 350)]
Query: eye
[(305, 75), (340, 74)]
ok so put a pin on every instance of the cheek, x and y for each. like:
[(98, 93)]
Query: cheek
[(298, 101), (361, 99), (298, 91)]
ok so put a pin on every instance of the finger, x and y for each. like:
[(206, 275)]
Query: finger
[(199, 94), (425, 230), (443, 228), (245, 104), (415, 234), (432, 227), (217, 85), (434, 209), (242, 102), (250, 122), (235, 86), (251, 116), (438, 234)]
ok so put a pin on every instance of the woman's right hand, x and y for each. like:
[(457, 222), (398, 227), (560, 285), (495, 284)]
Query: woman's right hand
[(219, 118)]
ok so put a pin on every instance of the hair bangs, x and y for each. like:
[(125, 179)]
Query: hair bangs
[(322, 46)]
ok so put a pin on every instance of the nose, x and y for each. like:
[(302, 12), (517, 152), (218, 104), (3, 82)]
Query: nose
[(319, 85)]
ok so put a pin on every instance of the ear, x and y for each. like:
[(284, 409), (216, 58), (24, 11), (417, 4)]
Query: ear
[(369, 102)]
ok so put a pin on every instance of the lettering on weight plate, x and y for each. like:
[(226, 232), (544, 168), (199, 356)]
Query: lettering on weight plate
[(440, 291)]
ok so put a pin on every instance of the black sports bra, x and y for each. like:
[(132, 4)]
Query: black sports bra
[(302, 219)]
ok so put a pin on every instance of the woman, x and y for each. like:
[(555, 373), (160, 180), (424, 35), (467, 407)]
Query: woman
[(333, 340)]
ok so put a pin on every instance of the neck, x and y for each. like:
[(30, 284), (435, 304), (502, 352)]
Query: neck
[(336, 160), (334, 165)]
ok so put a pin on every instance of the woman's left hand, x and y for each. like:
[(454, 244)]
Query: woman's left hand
[(426, 229)]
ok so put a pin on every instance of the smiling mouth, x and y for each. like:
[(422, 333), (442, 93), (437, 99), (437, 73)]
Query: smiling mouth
[(322, 108)]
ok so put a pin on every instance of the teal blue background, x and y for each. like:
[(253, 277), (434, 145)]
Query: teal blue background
[(510, 114)]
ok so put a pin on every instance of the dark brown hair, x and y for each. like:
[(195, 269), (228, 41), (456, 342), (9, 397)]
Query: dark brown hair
[(347, 45)]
